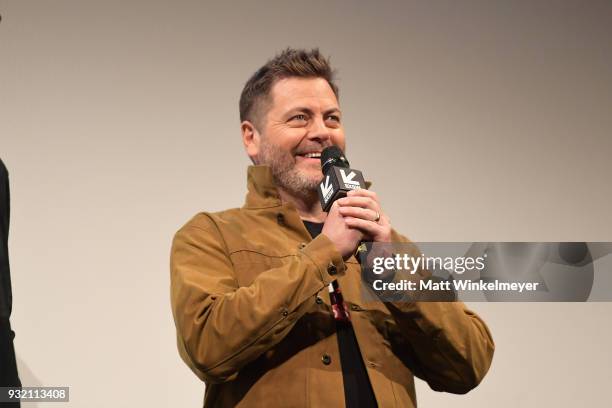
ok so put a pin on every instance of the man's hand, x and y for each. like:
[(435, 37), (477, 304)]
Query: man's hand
[(360, 210), (340, 233)]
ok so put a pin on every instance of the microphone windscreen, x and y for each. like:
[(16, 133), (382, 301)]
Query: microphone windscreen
[(333, 156)]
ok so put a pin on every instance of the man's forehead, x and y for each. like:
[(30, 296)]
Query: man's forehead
[(293, 92)]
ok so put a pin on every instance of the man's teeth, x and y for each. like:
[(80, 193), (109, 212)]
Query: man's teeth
[(313, 155)]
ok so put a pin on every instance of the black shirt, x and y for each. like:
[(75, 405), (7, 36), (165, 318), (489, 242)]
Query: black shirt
[(357, 388)]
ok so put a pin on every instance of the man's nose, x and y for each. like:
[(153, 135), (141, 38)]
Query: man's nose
[(319, 131)]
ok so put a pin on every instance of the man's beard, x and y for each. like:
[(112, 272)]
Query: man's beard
[(285, 173)]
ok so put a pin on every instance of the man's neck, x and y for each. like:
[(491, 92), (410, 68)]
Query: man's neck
[(308, 207)]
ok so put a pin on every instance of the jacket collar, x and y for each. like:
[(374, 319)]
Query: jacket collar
[(262, 192)]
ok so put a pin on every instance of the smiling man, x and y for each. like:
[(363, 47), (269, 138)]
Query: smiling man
[(303, 117), (257, 316)]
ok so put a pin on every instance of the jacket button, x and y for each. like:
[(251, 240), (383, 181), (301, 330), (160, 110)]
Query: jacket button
[(302, 245), (280, 218), (285, 313), (319, 300), (326, 359), (331, 269)]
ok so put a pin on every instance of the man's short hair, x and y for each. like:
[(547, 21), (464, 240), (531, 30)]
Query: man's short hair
[(255, 96)]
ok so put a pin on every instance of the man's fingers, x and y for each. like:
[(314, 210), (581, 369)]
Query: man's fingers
[(368, 227), (359, 201), (360, 192), (358, 212)]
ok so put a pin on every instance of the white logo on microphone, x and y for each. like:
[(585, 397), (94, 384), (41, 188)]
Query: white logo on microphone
[(348, 179), (326, 189)]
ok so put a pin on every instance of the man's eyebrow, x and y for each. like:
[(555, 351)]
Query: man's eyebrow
[(309, 111), (300, 109), (332, 110)]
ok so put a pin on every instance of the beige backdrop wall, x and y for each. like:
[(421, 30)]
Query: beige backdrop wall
[(476, 120)]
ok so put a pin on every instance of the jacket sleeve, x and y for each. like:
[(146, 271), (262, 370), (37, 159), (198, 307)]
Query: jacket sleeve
[(452, 347), (221, 327)]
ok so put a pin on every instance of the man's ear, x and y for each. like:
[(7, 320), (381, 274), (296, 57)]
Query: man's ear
[(251, 139)]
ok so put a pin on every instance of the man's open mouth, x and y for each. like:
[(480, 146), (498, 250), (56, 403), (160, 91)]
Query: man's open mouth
[(311, 155)]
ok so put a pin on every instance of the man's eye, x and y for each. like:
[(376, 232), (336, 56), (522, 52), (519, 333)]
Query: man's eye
[(299, 117), (335, 118)]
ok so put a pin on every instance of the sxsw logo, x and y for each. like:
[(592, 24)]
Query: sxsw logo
[(348, 180), (327, 189), (337, 182)]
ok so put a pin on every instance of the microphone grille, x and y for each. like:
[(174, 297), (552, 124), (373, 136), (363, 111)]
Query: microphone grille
[(333, 155)]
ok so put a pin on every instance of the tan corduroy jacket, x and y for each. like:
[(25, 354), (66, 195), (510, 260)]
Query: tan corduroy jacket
[(254, 321)]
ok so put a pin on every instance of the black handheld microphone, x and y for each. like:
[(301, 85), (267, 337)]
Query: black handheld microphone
[(338, 177)]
